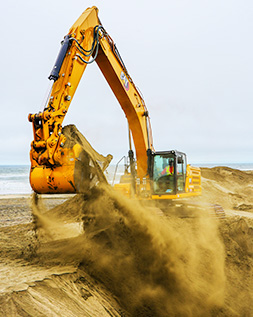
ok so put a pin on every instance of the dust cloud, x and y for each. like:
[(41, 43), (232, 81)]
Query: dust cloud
[(156, 266), (90, 165)]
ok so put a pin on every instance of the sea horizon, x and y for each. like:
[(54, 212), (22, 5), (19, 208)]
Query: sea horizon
[(14, 178)]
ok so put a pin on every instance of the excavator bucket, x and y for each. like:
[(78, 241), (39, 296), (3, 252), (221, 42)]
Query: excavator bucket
[(81, 167)]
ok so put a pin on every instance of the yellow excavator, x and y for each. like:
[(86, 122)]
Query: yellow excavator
[(163, 175)]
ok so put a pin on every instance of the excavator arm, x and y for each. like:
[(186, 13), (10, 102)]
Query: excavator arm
[(52, 164)]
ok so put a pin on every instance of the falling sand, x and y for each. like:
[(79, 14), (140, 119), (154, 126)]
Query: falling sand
[(101, 254)]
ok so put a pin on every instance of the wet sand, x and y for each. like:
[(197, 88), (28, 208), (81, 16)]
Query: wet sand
[(56, 270)]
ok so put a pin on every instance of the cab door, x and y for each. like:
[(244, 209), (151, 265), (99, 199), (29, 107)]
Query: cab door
[(163, 174), (181, 172)]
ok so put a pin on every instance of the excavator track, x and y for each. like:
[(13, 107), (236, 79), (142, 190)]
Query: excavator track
[(189, 209)]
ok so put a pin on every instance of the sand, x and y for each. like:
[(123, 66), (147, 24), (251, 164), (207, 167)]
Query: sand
[(103, 255)]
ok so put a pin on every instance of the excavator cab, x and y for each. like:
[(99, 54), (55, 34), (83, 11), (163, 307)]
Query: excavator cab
[(168, 172)]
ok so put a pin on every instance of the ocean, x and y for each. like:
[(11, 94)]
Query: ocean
[(14, 179)]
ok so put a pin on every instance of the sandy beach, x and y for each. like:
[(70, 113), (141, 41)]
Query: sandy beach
[(132, 262), (154, 225)]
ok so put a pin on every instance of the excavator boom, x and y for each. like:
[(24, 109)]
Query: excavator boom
[(87, 41)]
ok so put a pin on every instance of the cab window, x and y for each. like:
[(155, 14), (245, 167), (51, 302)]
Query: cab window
[(163, 174)]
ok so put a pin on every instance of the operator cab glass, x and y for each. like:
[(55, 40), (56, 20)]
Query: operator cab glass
[(169, 173)]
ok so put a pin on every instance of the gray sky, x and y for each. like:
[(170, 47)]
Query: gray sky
[(192, 61)]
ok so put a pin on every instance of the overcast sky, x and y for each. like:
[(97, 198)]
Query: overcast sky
[(192, 61)]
